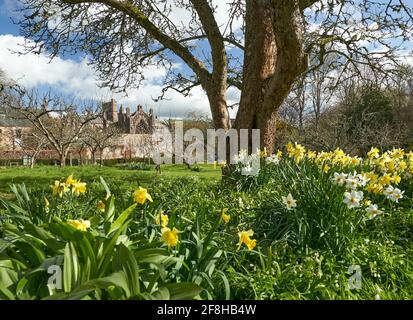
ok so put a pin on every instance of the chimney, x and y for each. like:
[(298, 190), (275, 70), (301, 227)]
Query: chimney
[(114, 111), (139, 107), (127, 112)]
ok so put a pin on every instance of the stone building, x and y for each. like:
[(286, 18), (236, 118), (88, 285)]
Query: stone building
[(12, 128), (138, 122)]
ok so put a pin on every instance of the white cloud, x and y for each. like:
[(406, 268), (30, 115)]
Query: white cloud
[(79, 79)]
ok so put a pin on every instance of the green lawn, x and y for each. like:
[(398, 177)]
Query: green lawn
[(45, 175)]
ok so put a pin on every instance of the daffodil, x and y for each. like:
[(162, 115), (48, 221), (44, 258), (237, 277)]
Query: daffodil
[(59, 188), (340, 178), (352, 199), (245, 237), (46, 203), (273, 159), (289, 201), (101, 205), (170, 237), (224, 216), (141, 195), (70, 180), (393, 194), (78, 188), (373, 211), (81, 224), (373, 153), (162, 219)]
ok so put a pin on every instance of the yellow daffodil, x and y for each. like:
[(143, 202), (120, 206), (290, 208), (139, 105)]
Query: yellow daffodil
[(245, 237), (46, 203), (141, 195), (162, 220), (367, 202), (326, 168), (279, 154), (101, 206), (373, 153), (78, 188), (170, 237), (224, 216), (263, 153), (59, 188), (70, 181), (81, 224)]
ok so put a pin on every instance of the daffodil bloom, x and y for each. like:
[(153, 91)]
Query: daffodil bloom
[(352, 199), (326, 168), (340, 178), (396, 179), (279, 154), (263, 153), (59, 188), (367, 202), (373, 211), (78, 188), (393, 194), (289, 201), (224, 216), (81, 224), (141, 195), (162, 219), (273, 159), (70, 181), (101, 205), (170, 237), (245, 237), (46, 203), (373, 153)]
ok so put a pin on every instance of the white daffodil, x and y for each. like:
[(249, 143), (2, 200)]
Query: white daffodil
[(340, 178), (352, 183), (352, 199), (363, 179), (272, 159), (373, 211), (289, 201), (393, 194)]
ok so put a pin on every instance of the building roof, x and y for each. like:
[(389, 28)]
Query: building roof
[(11, 118)]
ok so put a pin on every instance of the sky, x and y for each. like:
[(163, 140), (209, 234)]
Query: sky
[(73, 76)]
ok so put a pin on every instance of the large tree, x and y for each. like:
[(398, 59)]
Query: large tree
[(278, 42)]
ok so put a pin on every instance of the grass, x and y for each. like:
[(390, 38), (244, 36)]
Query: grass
[(45, 175)]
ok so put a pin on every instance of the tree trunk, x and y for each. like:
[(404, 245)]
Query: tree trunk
[(274, 58), (101, 158), (259, 65), (62, 160)]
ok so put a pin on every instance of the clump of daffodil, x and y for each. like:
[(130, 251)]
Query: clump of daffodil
[(170, 237), (245, 237), (296, 151), (141, 195), (224, 216), (162, 219), (59, 188), (81, 224), (101, 206), (374, 153)]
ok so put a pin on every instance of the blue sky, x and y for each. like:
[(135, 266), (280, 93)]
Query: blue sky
[(71, 75)]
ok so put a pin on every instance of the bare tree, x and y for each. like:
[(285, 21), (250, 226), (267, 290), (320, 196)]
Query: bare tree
[(98, 139), (279, 41), (33, 143), (61, 121)]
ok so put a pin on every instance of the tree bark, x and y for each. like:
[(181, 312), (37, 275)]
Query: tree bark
[(274, 58), (62, 160)]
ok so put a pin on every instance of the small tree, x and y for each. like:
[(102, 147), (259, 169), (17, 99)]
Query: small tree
[(33, 143), (61, 121), (98, 139)]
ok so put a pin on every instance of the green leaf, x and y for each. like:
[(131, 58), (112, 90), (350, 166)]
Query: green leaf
[(121, 219), (70, 268), (183, 291)]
